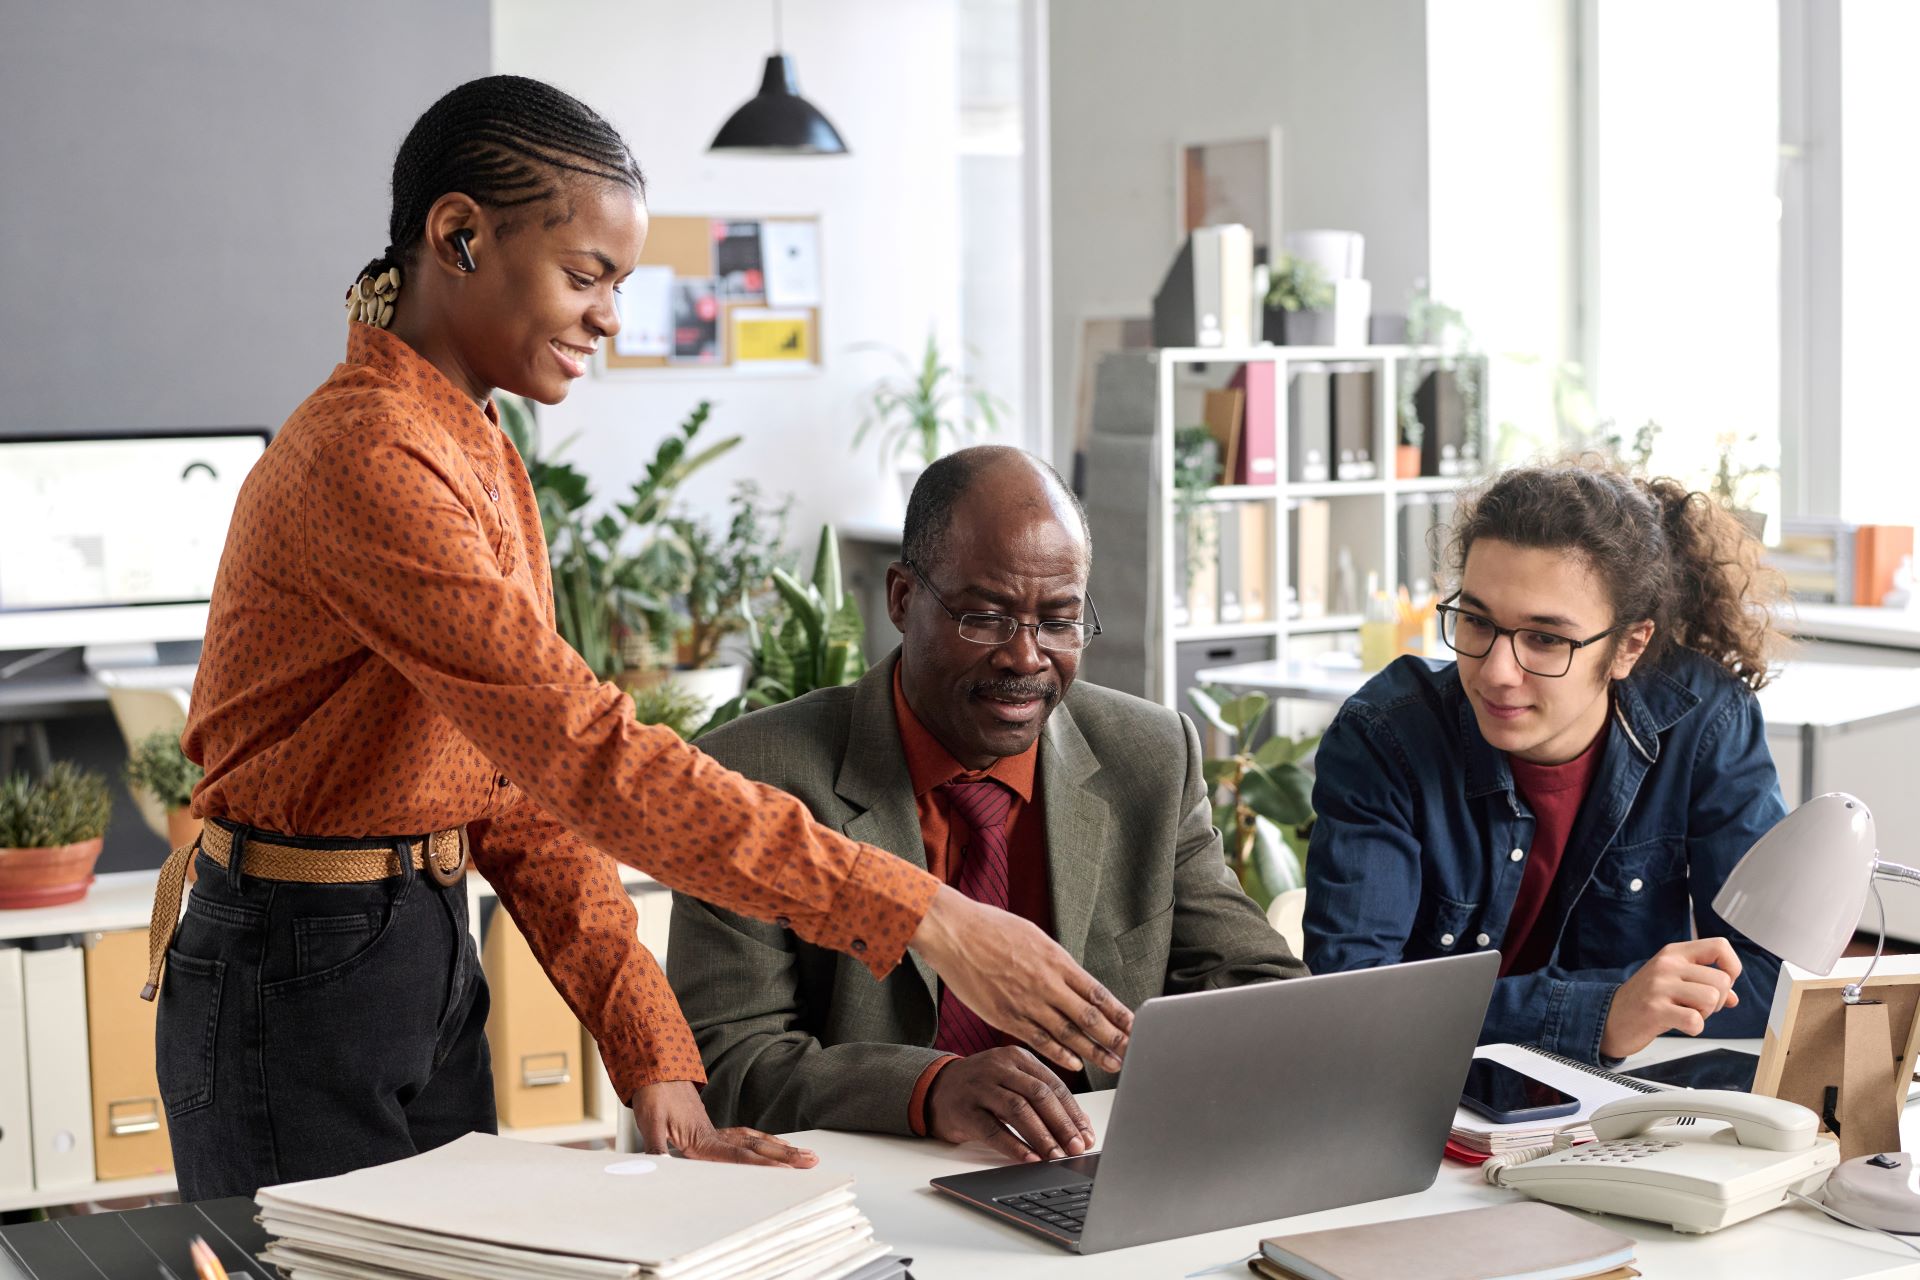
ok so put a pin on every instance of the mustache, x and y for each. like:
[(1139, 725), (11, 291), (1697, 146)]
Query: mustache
[(1017, 690)]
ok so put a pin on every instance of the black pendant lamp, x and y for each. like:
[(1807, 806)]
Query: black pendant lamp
[(777, 121)]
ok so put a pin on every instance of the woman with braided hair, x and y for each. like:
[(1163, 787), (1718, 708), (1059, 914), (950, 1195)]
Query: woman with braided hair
[(382, 698), (1576, 786)]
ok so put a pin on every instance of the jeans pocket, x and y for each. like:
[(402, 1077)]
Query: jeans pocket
[(321, 943), (189, 1020)]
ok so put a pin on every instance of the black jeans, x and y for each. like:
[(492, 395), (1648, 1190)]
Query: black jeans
[(307, 1030)]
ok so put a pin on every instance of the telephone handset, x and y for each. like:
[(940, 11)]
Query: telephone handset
[(1696, 1178)]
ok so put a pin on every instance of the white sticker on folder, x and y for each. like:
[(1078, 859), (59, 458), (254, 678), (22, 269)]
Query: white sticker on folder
[(628, 1168)]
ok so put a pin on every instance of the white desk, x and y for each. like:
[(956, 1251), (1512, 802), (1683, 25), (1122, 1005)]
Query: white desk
[(949, 1241), (1854, 624)]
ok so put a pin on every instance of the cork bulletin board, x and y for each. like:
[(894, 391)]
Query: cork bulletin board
[(734, 294)]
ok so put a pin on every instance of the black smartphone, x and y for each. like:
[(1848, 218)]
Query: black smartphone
[(1506, 1096), (1712, 1069)]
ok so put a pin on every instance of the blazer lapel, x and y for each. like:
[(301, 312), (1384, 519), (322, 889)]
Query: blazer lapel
[(873, 780), (1077, 822)]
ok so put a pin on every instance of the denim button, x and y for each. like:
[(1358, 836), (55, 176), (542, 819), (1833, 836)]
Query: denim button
[(1516, 855), (1446, 939), (1635, 886), (1481, 940)]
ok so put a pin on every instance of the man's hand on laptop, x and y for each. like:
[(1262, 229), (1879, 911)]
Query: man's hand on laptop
[(993, 1096), (672, 1120), (1019, 980)]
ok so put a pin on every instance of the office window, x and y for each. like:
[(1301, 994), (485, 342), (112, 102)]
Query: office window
[(1683, 232)]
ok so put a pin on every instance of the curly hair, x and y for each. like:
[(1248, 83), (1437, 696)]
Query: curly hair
[(1663, 552)]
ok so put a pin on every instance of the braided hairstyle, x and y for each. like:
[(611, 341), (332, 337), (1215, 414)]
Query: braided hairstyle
[(506, 141), (1662, 552)]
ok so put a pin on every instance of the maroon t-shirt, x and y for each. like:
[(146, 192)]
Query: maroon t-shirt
[(1554, 793)]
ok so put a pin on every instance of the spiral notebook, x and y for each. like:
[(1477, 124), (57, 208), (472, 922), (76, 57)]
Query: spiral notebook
[(1593, 1086)]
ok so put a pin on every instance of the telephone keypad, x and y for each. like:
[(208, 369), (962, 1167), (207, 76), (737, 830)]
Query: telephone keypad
[(1620, 1151)]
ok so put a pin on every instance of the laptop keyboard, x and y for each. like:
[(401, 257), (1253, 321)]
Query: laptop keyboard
[(1060, 1209)]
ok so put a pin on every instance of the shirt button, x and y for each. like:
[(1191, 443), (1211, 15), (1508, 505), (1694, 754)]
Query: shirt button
[(502, 781), (1481, 940), (859, 946), (783, 922), (1635, 886), (1446, 939), (1516, 855)]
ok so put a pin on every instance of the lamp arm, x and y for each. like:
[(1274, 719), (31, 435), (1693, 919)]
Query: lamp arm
[(1894, 871)]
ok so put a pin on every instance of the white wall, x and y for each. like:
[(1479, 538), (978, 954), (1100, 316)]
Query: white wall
[(1132, 79), (667, 75), (1504, 217)]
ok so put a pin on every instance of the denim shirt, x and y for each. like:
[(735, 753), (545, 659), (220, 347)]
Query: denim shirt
[(1422, 837)]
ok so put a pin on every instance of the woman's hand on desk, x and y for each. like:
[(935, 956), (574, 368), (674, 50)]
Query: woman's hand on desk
[(672, 1119), (1022, 982), (990, 1097), (1678, 990)]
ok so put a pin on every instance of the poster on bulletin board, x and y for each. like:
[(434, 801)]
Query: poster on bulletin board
[(735, 294)]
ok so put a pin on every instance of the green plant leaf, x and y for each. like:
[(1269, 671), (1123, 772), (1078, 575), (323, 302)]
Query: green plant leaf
[(826, 570), (1276, 751), (1244, 712), (1279, 868), (1219, 773), (1207, 703), (1283, 796)]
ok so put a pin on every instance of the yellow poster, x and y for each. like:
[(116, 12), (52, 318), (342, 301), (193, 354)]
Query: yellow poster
[(772, 337)]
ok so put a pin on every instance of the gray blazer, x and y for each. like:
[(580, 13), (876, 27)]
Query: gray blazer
[(797, 1037)]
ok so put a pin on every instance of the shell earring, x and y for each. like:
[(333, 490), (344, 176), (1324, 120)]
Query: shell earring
[(371, 300)]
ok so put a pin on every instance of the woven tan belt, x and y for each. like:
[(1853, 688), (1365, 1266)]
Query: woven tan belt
[(443, 855)]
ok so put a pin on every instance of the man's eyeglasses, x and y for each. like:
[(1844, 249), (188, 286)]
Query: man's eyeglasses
[(1541, 653), (1057, 634)]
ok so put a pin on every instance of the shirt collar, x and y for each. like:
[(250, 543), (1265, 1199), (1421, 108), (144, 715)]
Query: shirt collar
[(929, 764), (387, 355)]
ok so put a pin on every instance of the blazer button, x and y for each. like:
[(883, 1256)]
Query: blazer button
[(783, 922), (1516, 855), (1446, 939), (1481, 940), (859, 946), (1634, 887)]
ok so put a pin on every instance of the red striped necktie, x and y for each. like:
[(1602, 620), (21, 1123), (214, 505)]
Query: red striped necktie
[(985, 806)]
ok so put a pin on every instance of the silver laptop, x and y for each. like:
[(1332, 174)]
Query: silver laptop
[(1262, 1102)]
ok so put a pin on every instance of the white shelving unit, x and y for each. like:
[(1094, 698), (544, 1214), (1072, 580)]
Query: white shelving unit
[(1131, 503), (121, 900)]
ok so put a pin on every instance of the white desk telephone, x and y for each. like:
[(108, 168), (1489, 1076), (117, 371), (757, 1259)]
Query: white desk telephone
[(1696, 1178)]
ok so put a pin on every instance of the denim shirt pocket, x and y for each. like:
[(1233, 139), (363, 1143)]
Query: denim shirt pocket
[(1441, 926), (1636, 903)]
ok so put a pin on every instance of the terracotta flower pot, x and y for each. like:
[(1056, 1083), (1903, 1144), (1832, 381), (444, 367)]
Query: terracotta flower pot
[(1406, 461), (182, 827), (47, 877)]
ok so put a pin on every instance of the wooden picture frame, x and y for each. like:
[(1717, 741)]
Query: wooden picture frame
[(1825, 1055), (1230, 180)]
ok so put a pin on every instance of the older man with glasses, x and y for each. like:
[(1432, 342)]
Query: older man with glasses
[(972, 752)]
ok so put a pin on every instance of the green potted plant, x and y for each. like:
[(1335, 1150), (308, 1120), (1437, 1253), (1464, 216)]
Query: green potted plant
[(51, 834), (813, 642), (1440, 399), (158, 768), (1731, 485), (1299, 306), (917, 417), (1264, 798)]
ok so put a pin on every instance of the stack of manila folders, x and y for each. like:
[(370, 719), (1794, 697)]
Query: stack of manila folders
[(1476, 1138), (489, 1208)]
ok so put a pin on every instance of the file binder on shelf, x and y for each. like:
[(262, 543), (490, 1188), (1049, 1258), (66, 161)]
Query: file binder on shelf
[(60, 1101)]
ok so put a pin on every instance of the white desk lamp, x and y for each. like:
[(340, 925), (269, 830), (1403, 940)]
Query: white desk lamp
[(1799, 893)]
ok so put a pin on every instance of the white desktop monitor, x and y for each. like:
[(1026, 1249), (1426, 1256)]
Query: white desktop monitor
[(109, 539)]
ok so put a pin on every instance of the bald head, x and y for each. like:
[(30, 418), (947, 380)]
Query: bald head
[(988, 482)]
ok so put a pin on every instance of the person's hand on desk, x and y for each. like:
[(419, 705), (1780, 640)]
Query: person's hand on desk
[(1022, 982), (1678, 990), (993, 1096), (672, 1119)]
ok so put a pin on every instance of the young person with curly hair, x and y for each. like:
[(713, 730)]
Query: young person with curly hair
[(1575, 787)]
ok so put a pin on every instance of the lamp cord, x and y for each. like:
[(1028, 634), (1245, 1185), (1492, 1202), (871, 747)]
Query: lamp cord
[(1838, 1216), (1851, 992)]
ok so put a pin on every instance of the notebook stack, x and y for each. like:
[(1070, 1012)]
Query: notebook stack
[(1520, 1241), (1474, 1136), (489, 1208)]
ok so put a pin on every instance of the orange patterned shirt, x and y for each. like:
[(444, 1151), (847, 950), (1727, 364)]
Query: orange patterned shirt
[(381, 660)]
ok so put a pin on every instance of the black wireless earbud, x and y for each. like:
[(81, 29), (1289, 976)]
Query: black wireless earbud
[(460, 239)]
